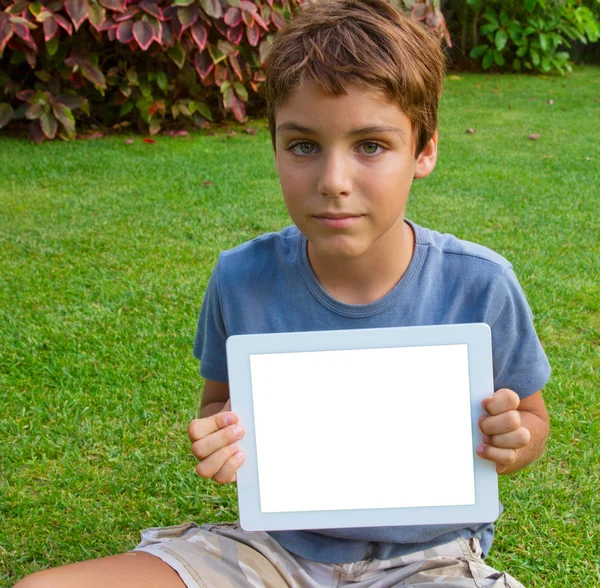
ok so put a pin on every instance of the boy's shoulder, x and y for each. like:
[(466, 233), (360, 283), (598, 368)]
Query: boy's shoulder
[(446, 247), (260, 257), (264, 244)]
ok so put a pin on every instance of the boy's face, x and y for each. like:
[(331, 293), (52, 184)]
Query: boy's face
[(346, 164)]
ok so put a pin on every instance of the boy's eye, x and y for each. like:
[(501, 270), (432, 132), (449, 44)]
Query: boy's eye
[(303, 148), (371, 148)]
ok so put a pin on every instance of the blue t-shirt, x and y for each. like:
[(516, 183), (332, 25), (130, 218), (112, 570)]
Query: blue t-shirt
[(267, 286)]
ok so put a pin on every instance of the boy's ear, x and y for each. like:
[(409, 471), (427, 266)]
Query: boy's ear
[(427, 158)]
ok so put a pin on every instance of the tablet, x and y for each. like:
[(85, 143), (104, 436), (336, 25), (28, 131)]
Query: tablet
[(363, 428)]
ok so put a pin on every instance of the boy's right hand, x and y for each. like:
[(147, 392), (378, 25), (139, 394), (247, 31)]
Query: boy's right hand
[(214, 444)]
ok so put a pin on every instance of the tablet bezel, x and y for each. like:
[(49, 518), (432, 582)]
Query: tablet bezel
[(477, 337)]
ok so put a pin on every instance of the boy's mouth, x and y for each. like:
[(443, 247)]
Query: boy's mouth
[(338, 220)]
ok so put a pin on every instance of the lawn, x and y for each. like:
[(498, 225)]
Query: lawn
[(105, 251)]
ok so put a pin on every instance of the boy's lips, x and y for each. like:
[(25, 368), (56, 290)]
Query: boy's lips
[(338, 220)]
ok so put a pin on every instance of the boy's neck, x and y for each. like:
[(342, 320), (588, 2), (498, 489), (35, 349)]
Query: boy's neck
[(370, 277)]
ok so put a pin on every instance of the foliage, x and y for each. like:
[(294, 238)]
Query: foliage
[(151, 63), (146, 62), (534, 34)]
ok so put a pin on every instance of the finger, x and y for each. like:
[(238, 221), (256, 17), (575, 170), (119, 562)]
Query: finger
[(208, 467), (206, 446), (500, 456), (513, 440), (499, 424), (199, 428), (228, 472), (503, 400)]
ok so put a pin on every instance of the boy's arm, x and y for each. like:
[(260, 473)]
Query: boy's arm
[(214, 398), (515, 431)]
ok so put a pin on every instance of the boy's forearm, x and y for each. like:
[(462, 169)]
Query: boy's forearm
[(539, 429), (210, 409)]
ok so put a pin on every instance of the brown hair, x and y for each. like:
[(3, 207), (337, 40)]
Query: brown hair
[(366, 43)]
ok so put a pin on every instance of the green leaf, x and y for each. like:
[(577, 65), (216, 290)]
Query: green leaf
[(203, 109), (498, 58), (522, 51), (488, 28), (488, 59), (183, 2), (544, 43), (52, 46), (65, 117), (478, 51), (6, 113), (49, 125), (126, 108), (162, 80), (216, 54), (177, 54), (241, 91), (530, 5), (535, 57), (501, 39), (516, 64), (546, 65)]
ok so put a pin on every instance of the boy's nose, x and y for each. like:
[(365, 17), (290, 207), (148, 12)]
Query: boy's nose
[(334, 176)]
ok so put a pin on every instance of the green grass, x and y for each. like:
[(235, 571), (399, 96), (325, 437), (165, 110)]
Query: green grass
[(105, 251)]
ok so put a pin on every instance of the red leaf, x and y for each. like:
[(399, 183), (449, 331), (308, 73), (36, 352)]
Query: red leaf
[(261, 22), (152, 9), (233, 16), (6, 31), (35, 132), (203, 64), (116, 5), (151, 141), (235, 65), (25, 95), (156, 26), (247, 6), (200, 35), (533, 137), (212, 8), (187, 16), (235, 35), (253, 34), (143, 34), (239, 110), (77, 10), (64, 23), (248, 18), (50, 29), (277, 19), (125, 32), (128, 141), (129, 13)]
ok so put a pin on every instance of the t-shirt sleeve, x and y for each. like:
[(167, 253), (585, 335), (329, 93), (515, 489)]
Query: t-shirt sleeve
[(519, 359), (211, 333)]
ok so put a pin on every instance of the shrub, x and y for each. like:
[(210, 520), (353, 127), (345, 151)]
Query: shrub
[(147, 62), (151, 63), (532, 35)]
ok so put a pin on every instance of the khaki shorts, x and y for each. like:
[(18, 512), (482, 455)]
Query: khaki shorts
[(225, 556)]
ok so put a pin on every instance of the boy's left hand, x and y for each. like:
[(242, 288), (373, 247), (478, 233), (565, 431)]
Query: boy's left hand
[(503, 431)]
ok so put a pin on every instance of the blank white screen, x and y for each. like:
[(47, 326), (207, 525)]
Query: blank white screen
[(363, 428)]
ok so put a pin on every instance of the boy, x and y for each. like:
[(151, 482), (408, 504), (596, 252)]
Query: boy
[(352, 90)]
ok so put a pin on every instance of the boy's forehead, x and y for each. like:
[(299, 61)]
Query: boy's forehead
[(307, 104)]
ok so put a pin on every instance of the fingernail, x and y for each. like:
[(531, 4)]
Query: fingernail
[(486, 439), (228, 419), (238, 431), (480, 450), (240, 454)]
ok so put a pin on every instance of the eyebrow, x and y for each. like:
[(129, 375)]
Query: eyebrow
[(291, 126)]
